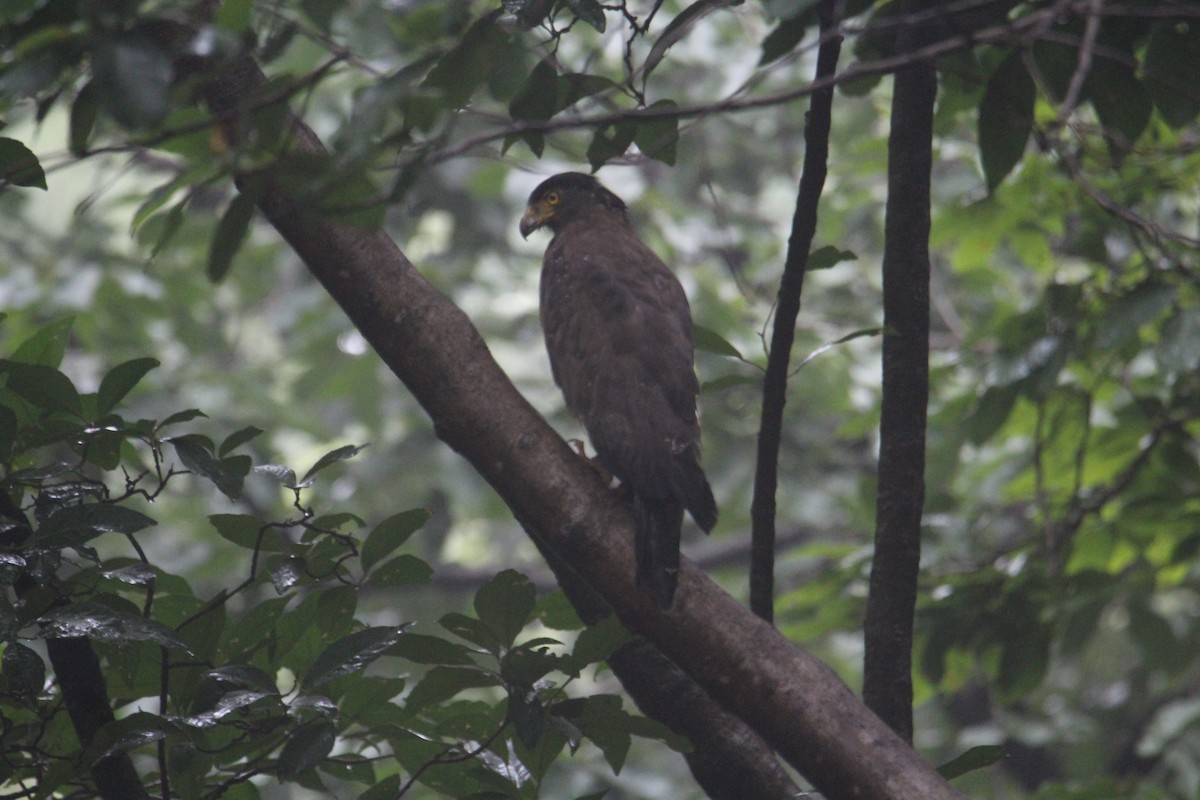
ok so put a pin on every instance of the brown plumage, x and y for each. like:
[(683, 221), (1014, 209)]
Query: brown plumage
[(619, 333)]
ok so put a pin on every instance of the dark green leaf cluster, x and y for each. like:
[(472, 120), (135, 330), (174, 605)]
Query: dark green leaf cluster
[(273, 675)]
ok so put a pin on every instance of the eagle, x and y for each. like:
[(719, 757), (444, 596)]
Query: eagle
[(619, 333)]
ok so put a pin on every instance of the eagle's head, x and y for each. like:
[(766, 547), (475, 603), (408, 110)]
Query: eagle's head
[(566, 197)]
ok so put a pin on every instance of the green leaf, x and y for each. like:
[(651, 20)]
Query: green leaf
[(253, 629), (1155, 638), (120, 380), (227, 474), (230, 234), (469, 63), (505, 603), (1005, 118), (610, 142), (598, 642), (827, 257), (181, 416), (602, 720), (403, 570), (19, 166), (244, 530), (391, 534), (574, 86), (386, 789), (161, 228), (677, 28), (974, 759), (1170, 722), (46, 347), (423, 649), (783, 39), (709, 341), (441, 683), (1177, 351), (590, 11), (991, 412), (285, 475), (1121, 102), (556, 612), (133, 74), (24, 670), (333, 457), (71, 526), (43, 387), (1173, 50), (728, 382), (351, 654), (537, 98), (1141, 306), (306, 747), (842, 340), (659, 138), (242, 676), (107, 625), (1024, 656), (138, 729), (234, 15), (84, 112), (471, 629), (238, 438)]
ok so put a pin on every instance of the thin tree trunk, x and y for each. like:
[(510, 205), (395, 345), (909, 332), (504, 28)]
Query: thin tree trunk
[(804, 228), (888, 630)]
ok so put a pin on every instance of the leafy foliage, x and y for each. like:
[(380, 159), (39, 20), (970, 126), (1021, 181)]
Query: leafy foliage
[(1059, 598), (269, 675)]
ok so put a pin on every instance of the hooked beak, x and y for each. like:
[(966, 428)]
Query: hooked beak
[(531, 220)]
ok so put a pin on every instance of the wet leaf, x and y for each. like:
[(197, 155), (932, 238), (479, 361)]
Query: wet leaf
[(352, 653), (306, 747), (95, 621), (74, 525), (333, 457), (24, 670)]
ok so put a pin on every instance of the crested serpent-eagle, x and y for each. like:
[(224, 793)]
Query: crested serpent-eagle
[(619, 333)]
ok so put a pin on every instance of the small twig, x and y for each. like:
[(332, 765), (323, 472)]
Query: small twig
[(446, 758), (1084, 65)]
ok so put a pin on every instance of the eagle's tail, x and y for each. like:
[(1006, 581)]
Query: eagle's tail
[(656, 545)]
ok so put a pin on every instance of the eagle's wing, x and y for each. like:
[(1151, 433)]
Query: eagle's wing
[(619, 333)]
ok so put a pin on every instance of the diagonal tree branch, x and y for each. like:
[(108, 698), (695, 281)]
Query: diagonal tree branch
[(787, 308), (791, 699)]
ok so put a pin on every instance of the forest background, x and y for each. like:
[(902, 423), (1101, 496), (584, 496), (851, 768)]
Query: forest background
[(256, 641)]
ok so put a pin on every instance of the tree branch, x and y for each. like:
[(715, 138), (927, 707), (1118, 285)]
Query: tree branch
[(791, 699), (888, 630), (787, 308)]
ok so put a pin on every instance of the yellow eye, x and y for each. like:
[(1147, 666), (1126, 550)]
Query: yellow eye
[(552, 198)]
